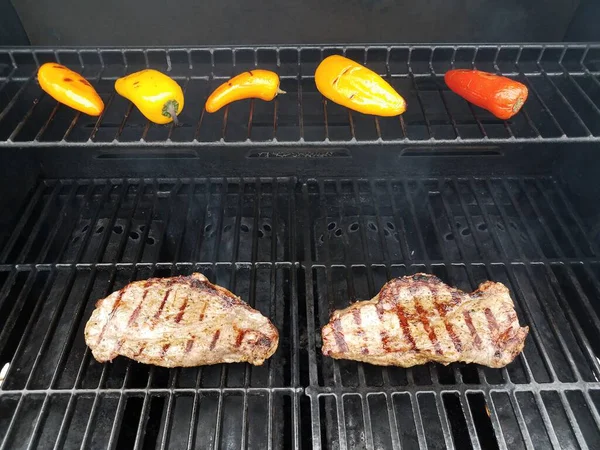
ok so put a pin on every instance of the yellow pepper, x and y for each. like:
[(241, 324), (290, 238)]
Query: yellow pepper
[(70, 88), (349, 84), (258, 83), (156, 95)]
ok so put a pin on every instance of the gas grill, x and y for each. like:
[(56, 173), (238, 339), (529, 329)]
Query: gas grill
[(300, 207)]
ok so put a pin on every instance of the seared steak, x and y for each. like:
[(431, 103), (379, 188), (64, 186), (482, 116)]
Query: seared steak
[(179, 322), (418, 318)]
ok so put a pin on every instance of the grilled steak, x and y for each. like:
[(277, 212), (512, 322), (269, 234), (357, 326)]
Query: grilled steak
[(179, 322), (416, 319)]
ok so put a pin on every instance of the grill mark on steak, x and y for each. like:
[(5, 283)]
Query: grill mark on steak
[(240, 337), (338, 334), (134, 314), (428, 328), (164, 350), (357, 318), (215, 339), (385, 341), (116, 305), (201, 316), (181, 311), (138, 308), (405, 328), (449, 328), (469, 322), (139, 352), (358, 321), (489, 315), (380, 312), (162, 304), (442, 309), (189, 345), (456, 297)]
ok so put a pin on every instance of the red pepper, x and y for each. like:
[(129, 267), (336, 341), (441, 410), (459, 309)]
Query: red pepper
[(499, 95)]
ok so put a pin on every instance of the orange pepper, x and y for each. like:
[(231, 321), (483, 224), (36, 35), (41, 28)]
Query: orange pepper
[(349, 84), (258, 83), (70, 88), (499, 95)]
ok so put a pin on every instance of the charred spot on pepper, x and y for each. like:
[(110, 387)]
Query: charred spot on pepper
[(67, 79), (337, 79), (84, 82), (351, 97), (250, 72)]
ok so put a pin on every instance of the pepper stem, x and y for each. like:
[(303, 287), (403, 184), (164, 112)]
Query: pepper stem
[(170, 109), (280, 91)]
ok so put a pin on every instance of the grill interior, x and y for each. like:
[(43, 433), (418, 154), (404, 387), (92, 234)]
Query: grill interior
[(565, 94), (299, 230)]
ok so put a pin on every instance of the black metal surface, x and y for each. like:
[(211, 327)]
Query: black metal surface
[(217, 22), (563, 105), (296, 249)]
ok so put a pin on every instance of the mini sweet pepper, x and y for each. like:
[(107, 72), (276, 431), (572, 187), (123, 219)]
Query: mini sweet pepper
[(257, 83), (70, 88), (157, 96), (352, 85)]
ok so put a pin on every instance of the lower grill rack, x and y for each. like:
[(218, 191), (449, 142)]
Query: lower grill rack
[(296, 249)]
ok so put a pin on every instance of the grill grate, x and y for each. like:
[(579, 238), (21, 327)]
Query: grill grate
[(563, 106), (296, 249)]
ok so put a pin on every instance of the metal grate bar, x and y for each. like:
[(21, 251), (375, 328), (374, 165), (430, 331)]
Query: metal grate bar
[(567, 104), (533, 330), (25, 119), (444, 421), (553, 119), (593, 316), (573, 214), (558, 216), (434, 79), (495, 422), (420, 102), (541, 219), (468, 413), (15, 98), (534, 240), (63, 356), (25, 217), (43, 217), (583, 93), (572, 420), (59, 221), (310, 303), (418, 227), (406, 253), (580, 334), (418, 421)]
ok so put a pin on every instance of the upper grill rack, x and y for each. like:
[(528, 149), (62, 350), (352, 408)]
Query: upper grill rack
[(563, 105)]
